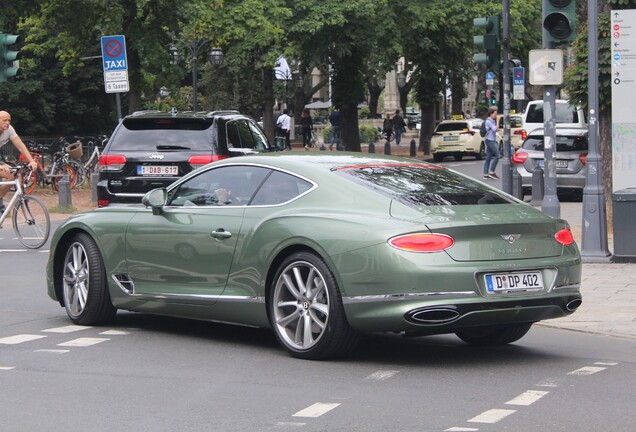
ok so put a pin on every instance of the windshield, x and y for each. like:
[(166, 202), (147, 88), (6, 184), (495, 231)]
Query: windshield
[(166, 133), (563, 143), (564, 113)]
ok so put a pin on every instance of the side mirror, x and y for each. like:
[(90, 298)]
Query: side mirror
[(156, 199)]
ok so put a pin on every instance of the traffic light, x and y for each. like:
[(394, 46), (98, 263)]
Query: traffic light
[(492, 100), (488, 42), (559, 20), (7, 70)]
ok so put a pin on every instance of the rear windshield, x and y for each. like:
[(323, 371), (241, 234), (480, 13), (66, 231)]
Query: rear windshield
[(564, 113), (563, 143), (163, 133), (450, 127), (421, 184)]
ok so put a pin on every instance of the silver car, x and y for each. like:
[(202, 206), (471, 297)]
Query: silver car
[(570, 157)]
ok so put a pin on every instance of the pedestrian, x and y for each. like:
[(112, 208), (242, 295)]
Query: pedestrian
[(284, 124), (387, 128), (334, 120), (7, 133), (399, 126), (492, 150), (307, 125)]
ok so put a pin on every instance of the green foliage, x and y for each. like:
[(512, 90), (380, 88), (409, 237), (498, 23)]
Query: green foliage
[(369, 133)]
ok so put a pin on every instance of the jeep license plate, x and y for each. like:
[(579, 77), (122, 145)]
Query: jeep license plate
[(157, 170)]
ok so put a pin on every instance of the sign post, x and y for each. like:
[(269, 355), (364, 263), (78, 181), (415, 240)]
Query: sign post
[(115, 65)]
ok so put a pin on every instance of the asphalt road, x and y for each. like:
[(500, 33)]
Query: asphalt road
[(148, 373)]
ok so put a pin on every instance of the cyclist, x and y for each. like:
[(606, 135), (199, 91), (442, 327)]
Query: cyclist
[(7, 133)]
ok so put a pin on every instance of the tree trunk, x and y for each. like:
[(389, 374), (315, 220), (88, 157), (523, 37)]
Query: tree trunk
[(349, 130), (427, 127), (374, 97), (605, 150), (457, 94)]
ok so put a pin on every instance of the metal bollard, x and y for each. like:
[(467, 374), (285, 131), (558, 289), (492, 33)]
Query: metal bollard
[(517, 187), (94, 180), (387, 148), (372, 147), (537, 186), (413, 150), (64, 186)]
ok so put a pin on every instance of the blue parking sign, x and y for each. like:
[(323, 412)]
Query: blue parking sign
[(114, 53)]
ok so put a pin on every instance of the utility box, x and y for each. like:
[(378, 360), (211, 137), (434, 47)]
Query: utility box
[(624, 209)]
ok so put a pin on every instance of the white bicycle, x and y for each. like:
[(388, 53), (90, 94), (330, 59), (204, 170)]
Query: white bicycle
[(29, 215)]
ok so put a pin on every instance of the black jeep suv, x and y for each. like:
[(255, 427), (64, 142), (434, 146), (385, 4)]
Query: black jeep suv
[(151, 149)]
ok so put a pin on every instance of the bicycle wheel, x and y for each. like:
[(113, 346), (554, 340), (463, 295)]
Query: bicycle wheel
[(79, 171), (69, 171), (29, 182), (31, 222)]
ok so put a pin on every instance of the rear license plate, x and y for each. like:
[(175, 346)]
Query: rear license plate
[(561, 163), (513, 281), (451, 138), (157, 170)]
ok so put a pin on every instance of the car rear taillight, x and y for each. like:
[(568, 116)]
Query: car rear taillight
[(521, 132), (583, 158), (564, 237), (470, 132), (201, 160), (437, 134), (102, 203), (422, 242), (110, 162), (519, 157)]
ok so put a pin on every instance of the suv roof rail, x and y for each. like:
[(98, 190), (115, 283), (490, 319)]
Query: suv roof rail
[(142, 112), (221, 112)]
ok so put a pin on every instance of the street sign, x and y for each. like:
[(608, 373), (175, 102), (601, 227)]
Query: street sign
[(490, 78), (518, 83), (546, 67), (115, 64), (623, 60)]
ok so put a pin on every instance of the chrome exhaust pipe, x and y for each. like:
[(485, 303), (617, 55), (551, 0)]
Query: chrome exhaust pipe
[(433, 315), (574, 304)]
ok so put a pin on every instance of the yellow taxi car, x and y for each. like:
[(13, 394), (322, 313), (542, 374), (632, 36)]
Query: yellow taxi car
[(517, 131), (459, 137)]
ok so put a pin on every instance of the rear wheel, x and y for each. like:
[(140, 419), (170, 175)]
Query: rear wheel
[(438, 157), (493, 336), (305, 309), (84, 285), (31, 222), (59, 175), (482, 152), (458, 157)]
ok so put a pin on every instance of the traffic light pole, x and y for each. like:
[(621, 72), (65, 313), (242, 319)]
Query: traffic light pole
[(550, 204), (594, 235), (506, 165)]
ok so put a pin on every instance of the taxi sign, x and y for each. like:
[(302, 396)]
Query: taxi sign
[(115, 63), (457, 117)]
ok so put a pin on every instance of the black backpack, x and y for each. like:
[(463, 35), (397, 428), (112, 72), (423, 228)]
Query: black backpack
[(482, 129)]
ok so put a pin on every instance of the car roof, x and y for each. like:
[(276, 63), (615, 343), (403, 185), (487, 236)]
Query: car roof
[(560, 131), (173, 113)]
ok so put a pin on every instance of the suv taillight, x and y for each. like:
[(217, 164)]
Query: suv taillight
[(111, 162), (519, 157), (201, 160), (583, 158)]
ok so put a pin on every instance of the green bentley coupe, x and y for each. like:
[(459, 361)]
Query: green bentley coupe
[(322, 248)]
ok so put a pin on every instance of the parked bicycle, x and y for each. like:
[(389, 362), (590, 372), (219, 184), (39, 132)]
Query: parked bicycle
[(52, 174), (29, 215)]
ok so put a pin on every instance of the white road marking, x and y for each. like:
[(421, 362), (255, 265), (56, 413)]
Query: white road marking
[(491, 416), (66, 329), (382, 375), (13, 340), (606, 363), (83, 342), (13, 250), (114, 333), (7, 367), (527, 398), (549, 382), (588, 370), (44, 251), (53, 351), (461, 429), (316, 410), (289, 425)]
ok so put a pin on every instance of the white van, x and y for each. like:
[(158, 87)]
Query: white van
[(567, 116)]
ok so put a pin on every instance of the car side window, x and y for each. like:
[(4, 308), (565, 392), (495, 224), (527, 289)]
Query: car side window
[(223, 186), (280, 188), (244, 134)]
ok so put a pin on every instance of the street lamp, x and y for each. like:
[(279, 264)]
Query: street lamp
[(215, 56)]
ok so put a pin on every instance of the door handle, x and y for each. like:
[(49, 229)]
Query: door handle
[(220, 234)]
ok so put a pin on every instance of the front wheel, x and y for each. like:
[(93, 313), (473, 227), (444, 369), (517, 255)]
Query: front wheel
[(493, 336), (31, 222), (84, 285), (305, 309), (482, 152), (68, 171)]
